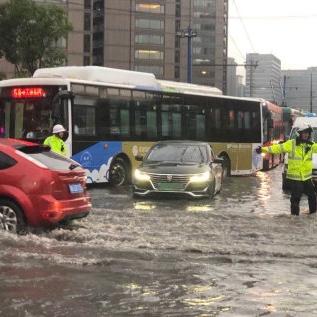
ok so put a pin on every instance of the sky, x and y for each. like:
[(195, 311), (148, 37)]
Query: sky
[(284, 28)]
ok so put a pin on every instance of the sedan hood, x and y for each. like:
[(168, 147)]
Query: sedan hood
[(174, 168)]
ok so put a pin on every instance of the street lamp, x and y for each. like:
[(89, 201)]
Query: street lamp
[(189, 33)]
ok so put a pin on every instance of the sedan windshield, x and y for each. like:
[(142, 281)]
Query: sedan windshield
[(178, 153)]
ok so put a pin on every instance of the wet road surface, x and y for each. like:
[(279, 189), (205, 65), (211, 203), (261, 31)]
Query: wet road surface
[(240, 254)]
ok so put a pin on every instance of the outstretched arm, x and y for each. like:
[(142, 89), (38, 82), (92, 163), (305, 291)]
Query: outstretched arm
[(285, 147)]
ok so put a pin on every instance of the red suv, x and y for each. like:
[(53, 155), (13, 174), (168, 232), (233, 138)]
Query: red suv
[(39, 187)]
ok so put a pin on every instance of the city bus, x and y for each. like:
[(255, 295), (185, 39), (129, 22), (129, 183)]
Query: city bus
[(113, 115)]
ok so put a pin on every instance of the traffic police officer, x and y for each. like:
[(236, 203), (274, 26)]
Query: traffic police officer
[(300, 166), (55, 141)]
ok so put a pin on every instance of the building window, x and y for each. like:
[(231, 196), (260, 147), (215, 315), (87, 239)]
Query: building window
[(87, 4), (61, 43), (177, 72), (149, 39), (204, 3), (87, 43), (149, 24), (177, 25), (86, 60), (177, 56), (87, 22), (149, 7), (149, 54), (156, 70), (178, 10), (177, 42)]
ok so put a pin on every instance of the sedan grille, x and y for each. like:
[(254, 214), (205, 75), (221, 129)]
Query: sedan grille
[(181, 180)]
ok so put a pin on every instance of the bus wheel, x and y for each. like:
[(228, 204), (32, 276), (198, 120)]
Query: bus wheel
[(226, 167), (11, 217), (118, 174)]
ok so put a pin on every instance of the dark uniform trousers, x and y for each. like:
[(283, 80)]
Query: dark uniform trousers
[(297, 189)]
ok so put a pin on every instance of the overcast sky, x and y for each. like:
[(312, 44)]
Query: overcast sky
[(285, 28)]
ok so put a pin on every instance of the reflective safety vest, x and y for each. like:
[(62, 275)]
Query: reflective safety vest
[(56, 144), (300, 163)]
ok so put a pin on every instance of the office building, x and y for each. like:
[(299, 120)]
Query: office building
[(263, 77), (300, 88)]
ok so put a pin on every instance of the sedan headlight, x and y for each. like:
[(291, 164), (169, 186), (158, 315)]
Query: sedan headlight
[(141, 176), (200, 178)]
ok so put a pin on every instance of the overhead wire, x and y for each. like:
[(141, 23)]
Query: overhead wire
[(244, 26)]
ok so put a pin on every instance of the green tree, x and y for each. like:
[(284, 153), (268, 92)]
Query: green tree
[(29, 34)]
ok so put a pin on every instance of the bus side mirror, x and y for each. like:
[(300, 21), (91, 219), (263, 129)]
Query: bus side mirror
[(139, 158), (57, 104)]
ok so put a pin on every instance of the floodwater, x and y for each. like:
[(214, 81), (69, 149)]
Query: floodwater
[(241, 254)]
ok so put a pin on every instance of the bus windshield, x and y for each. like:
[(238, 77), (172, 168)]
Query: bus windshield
[(27, 112)]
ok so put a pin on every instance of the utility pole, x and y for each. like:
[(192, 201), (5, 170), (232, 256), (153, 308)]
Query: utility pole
[(189, 33)]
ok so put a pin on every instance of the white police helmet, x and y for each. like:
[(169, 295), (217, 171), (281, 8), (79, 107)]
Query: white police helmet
[(304, 127), (58, 128)]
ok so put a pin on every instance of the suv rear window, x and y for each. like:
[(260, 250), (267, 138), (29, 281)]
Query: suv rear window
[(42, 154), (54, 161)]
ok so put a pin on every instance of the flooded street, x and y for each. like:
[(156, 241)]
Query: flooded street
[(241, 254)]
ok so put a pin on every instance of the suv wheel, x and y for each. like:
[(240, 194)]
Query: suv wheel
[(11, 217)]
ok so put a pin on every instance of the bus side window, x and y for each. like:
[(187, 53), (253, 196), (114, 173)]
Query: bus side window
[(171, 119), (240, 120), (247, 120), (145, 118), (84, 120)]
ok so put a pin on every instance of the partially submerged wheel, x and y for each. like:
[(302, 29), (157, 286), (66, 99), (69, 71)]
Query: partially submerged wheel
[(11, 217), (118, 174)]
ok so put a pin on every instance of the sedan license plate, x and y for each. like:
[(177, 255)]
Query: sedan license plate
[(76, 188), (170, 186)]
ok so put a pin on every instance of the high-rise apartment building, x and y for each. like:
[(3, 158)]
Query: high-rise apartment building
[(300, 88), (143, 35), (263, 77), (231, 77)]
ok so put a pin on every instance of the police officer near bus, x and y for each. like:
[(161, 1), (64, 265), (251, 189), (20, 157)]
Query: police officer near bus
[(300, 166), (55, 141)]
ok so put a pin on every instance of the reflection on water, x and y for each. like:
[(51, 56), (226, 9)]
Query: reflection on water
[(240, 254)]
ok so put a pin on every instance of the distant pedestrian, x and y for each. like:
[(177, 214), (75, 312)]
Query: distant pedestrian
[(55, 141), (300, 166)]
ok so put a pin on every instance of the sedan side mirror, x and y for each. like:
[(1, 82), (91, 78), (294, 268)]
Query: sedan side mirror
[(139, 158)]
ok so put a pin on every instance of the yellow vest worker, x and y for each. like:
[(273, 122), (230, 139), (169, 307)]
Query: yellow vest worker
[(300, 166), (55, 142)]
